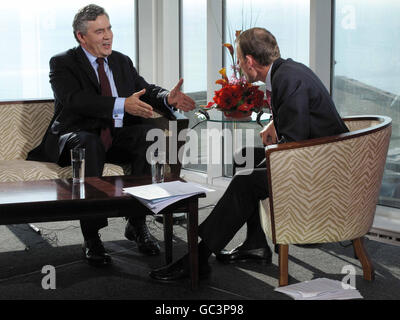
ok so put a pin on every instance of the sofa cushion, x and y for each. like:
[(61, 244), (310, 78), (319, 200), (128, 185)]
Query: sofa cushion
[(22, 127), (22, 170), (109, 170)]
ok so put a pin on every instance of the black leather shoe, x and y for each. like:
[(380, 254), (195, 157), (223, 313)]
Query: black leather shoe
[(260, 255), (178, 270), (147, 244), (95, 254)]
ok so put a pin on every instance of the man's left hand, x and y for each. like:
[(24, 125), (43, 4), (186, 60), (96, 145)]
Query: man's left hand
[(179, 100)]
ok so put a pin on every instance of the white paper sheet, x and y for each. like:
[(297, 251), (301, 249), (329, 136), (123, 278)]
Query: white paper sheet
[(158, 196), (166, 189), (319, 289)]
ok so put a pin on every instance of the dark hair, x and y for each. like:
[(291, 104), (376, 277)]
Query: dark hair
[(87, 13), (259, 43)]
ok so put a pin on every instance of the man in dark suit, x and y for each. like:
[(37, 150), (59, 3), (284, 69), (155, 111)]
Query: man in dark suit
[(302, 109), (100, 101)]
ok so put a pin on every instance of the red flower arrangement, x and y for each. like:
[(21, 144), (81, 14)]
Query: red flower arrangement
[(237, 98)]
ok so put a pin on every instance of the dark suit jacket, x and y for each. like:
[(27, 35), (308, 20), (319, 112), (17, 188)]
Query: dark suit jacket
[(79, 105), (302, 107)]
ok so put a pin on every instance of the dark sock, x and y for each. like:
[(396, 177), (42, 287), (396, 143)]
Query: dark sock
[(204, 253), (137, 221), (255, 236), (91, 235)]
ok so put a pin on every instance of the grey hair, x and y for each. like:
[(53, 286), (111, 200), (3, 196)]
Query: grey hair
[(87, 13)]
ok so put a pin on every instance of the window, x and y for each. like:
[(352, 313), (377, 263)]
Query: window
[(37, 30), (367, 73), (287, 20), (194, 68)]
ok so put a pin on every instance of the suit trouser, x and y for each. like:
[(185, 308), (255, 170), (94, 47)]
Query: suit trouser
[(129, 146), (238, 205)]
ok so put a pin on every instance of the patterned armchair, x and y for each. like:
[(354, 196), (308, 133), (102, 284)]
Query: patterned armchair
[(23, 125), (326, 190)]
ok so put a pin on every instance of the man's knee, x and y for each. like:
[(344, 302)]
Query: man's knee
[(94, 151), (89, 141), (249, 157), (240, 182), (249, 180)]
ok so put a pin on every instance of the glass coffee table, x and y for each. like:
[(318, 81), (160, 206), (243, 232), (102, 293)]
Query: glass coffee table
[(237, 126), (260, 118)]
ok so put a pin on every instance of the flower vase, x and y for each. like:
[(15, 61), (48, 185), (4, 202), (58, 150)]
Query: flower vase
[(237, 114)]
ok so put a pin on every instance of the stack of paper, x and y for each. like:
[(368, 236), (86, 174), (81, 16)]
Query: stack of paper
[(320, 289), (160, 195)]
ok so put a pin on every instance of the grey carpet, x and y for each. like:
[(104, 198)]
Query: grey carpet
[(23, 253)]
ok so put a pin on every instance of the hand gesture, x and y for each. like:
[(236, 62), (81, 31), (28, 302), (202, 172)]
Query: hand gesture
[(137, 107), (180, 100), (268, 134)]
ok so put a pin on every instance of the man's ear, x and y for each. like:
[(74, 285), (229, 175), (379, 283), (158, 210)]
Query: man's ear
[(79, 35), (251, 62)]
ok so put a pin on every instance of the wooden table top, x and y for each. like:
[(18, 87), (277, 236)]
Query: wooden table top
[(94, 188), (60, 199)]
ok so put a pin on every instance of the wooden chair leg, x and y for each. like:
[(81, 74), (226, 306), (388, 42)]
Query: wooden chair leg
[(192, 236), (362, 255), (168, 231), (283, 265)]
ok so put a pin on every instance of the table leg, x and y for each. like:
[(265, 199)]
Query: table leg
[(192, 235), (168, 221)]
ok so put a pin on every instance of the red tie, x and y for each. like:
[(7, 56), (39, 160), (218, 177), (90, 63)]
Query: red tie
[(105, 134), (269, 98), (269, 102)]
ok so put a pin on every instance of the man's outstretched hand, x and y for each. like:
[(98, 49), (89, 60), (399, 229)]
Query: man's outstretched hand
[(136, 107), (179, 100)]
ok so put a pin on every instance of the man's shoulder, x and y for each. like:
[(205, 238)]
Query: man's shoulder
[(65, 55), (292, 75), (288, 69), (119, 56), (285, 64)]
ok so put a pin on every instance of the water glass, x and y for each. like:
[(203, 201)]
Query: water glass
[(78, 165), (158, 160), (78, 191)]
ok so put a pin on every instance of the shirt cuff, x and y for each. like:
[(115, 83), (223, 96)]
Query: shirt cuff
[(118, 112), (167, 105)]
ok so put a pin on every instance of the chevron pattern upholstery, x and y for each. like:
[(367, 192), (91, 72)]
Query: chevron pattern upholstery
[(22, 128), (326, 190)]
